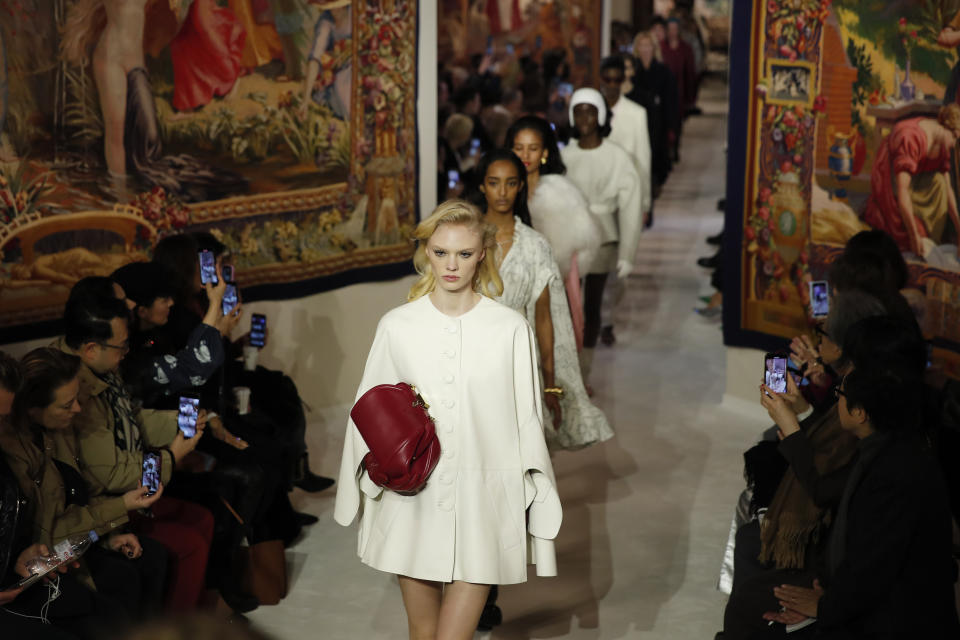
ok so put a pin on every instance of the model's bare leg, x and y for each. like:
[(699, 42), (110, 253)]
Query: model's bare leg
[(460, 611), (421, 598)]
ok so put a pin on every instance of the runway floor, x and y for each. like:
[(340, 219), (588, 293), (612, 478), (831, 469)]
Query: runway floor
[(646, 515)]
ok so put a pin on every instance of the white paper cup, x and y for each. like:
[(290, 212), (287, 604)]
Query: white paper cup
[(242, 396), (250, 355)]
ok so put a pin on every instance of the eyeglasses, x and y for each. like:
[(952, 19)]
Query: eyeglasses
[(125, 347)]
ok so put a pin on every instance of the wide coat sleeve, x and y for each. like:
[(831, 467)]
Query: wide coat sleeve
[(540, 494), (379, 369)]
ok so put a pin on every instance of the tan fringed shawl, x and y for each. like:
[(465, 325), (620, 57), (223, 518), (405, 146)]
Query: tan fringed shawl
[(793, 521)]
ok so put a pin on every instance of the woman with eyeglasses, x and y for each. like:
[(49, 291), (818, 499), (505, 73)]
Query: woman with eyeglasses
[(797, 517)]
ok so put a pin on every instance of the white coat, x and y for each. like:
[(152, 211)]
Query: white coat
[(628, 128), (470, 523)]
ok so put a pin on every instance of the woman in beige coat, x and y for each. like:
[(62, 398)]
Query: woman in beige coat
[(474, 362)]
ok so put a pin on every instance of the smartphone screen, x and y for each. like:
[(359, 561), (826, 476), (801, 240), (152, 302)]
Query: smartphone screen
[(229, 299), (820, 298), (475, 145), (453, 177), (258, 330), (227, 271), (187, 417), (151, 473), (208, 267), (565, 90), (775, 372)]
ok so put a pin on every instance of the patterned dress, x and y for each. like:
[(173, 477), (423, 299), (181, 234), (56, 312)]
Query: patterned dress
[(528, 268)]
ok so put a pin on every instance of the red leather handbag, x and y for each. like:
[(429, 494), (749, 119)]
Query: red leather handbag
[(403, 443)]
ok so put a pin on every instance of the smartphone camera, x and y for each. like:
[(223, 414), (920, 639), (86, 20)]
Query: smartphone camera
[(820, 298), (151, 473), (208, 268), (775, 372), (230, 299), (258, 330), (187, 416)]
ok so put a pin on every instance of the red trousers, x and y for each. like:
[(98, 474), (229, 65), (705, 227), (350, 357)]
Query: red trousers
[(185, 529)]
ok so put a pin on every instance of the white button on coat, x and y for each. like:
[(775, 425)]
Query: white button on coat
[(494, 485)]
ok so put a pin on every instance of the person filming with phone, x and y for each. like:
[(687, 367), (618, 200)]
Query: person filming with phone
[(115, 434), (40, 446)]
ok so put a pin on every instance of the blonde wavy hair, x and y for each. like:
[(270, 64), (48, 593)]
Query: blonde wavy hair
[(486, 280), (647, 35)]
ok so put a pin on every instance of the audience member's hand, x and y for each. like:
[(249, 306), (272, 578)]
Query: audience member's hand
[(181, 446), (785, 617), (800, 599), (8, 596), (553, 401), (202, 420), (803, 351), (138, 498), (220, 432), (780, 411), (36, 551), (793, 396), (228, 323), (125, 543)]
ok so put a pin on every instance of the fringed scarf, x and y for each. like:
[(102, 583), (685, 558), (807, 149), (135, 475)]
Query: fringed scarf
[(793, 521)]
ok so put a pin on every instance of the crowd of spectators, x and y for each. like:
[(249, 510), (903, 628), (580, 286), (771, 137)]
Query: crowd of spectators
[(86, 419), (846, 526)]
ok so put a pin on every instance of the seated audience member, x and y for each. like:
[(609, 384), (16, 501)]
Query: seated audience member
[(114, 434), (887, 571), (16, 549), (275, 401), (786, 542), (153, 369), (41, 448)]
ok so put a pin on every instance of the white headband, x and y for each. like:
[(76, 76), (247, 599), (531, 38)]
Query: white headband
[(589, 96)]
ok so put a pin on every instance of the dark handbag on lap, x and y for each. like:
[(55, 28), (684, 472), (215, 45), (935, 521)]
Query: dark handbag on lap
[(403, 443)]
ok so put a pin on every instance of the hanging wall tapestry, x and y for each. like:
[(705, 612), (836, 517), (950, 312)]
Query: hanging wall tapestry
[(286, 128), (844, 117)]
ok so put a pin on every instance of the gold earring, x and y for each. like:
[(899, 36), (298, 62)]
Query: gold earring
[(543, 160)]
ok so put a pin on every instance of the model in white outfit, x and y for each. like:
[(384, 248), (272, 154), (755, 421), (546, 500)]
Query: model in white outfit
[(527, 269), (628, 128), (605, 174), (474, 362), (558, 209)]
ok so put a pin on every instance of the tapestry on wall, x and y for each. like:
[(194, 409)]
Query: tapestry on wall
[(286, 128), (533, 27), (847, 120)]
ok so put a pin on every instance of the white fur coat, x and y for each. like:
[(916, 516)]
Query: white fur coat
[(561, 213)]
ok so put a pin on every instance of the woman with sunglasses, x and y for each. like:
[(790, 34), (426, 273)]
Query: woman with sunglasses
[(796, 520), (533, 286)]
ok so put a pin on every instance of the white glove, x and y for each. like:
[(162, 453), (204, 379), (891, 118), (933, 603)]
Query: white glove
[(624, 268)]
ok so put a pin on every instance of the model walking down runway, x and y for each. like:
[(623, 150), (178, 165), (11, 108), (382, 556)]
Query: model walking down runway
[(533, 286), (473, 360)]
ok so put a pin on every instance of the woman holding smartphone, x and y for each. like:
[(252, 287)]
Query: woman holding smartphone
[(41, 447), (473, 361), (533, 286)]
